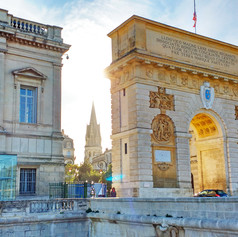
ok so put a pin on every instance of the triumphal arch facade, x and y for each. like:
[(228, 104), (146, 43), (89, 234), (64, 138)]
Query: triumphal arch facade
[(174, 111)]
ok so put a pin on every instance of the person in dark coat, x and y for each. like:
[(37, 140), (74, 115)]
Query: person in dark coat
[(113, 192)]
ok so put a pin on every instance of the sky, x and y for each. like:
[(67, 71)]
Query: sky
[(86, 24)]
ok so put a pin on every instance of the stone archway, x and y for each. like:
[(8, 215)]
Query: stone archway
[(207, 153)]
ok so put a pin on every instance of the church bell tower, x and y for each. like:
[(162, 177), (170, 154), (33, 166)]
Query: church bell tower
[(93, 138)]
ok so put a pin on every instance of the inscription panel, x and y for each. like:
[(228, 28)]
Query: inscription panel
[(191, 52)]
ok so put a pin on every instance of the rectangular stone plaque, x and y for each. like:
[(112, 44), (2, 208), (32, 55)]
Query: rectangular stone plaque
[(162, 156), (191, 51)]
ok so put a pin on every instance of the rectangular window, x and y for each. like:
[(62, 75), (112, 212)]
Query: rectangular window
[(125, 148), (27, 181), (124, 92), (28, 105)]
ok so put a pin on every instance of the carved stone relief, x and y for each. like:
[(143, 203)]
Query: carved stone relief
[(173, 78), (235, 90), (162, 127), (165, 230), (207, 95), (149, 73), (216, 88), (161, 100), (184, 80), (226, 89)]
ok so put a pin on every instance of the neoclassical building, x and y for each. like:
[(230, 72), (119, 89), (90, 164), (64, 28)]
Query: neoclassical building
[(174, 111), (30, 104)]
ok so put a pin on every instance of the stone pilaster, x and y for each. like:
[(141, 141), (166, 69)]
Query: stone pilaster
[(183, 160), (232, 165), (56, 113), (2, 77)]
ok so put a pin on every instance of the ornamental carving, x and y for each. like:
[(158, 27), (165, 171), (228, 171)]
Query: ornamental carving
[(161, 100), (217, 88), (149, 73), (207, 95), (226, 89), (184, 80), (173, 78), (195, 83), (166, 230), (235, 91), (163, 166), (162, 127)]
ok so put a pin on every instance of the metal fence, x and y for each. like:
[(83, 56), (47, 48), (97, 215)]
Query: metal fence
[(77, 190)]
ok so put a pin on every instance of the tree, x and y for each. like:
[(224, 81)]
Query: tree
[(71, 172), (81, 173)]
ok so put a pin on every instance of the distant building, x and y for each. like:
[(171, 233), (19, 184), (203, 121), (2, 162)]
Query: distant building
[(68, 149), (93, 149), (93, 138), (102, 161), (30, 105)]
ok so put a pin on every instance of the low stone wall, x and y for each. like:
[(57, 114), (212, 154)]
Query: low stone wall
[(132, 217), (45, 218), (146, 226), (209, 208)]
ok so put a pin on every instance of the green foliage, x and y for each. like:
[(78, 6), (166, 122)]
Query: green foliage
[(84, 171), (81, 173)]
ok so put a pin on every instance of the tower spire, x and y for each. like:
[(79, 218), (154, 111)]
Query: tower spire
[(93, 138)]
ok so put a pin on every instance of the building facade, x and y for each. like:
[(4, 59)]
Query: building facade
[(68, 149), (30, 102), (101, 162), (174, 111)]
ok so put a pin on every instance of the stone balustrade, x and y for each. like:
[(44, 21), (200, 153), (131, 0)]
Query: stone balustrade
[(26, 207), (28, 26), (12, 23), (52, 206)]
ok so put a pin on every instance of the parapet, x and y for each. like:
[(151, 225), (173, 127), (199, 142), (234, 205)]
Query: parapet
[(15, 27)]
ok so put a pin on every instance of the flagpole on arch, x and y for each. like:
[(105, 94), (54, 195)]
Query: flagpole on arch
[(195, 17)]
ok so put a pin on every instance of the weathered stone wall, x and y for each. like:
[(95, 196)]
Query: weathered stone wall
[(129, 217)]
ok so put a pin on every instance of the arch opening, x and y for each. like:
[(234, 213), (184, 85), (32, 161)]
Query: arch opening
[(207, 153)]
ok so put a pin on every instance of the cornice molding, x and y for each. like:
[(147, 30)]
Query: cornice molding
[(33, 42)]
